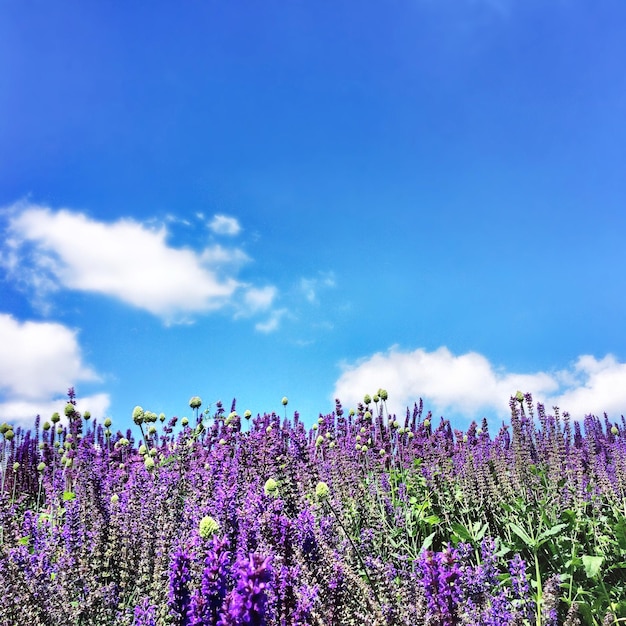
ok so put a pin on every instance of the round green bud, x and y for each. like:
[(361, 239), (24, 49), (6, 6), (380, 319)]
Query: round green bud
[(395, 424), (122, 466), (42, 445), (332, 444), (124, 442), (69, 461), (368, 415), (208, 527), (152, 430), (315, 426), (376, 398), (87, 415), (284, 401), (322, 491), (195, 402), (16, 466), (149, 463), (138, 414), (382, 452), (9, 435), (426, 423), (69, 409), (363, 448), (46, 426), (142, 449), (363, 429), (108, 422), (161, 417), (222, 442), (107, 433), (268, 429), (247, 414), (184, 421), (367, 399), (479, 431), (411, 434), (519, 396), (464, 438), (383, 394), (41, 467), (59, 429), (56, 444), (55, 418), (614, 430), (271, 488), (4, 427), (115, 499), (351, 412), (329, 435), (153, 452), (319, 441)]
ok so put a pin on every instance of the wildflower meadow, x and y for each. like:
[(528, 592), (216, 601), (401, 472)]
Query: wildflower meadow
[(366, 518)]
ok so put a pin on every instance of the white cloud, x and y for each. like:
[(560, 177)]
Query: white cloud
[(224, 225), (469, 385), (48, 249), (39, 361), (259, 299), (310, 287), (272, 323)]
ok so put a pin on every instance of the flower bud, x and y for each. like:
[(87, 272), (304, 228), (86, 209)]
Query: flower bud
[(322, 491), (208, 527), (271, 488), (107, 422)]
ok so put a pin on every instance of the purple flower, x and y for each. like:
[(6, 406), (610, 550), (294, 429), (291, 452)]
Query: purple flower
[(179, 598), (247, 602), (206, 604)]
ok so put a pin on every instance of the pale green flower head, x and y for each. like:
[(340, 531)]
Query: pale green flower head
[(142, 449), (107, 422), (149, 463), (115, 499), (138, 414), (322, 491), (195, 402), (208, 527), (247, 414), (284, 401), (319, 441), (271, 488), (184, 421)]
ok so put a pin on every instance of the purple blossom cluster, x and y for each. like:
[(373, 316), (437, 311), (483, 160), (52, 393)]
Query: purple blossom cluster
[(362, 519)]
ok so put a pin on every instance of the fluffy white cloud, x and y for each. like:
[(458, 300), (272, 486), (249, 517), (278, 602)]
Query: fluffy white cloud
[(224, 225), (48, 249), (259, 299), (39, 361), (468, 384)]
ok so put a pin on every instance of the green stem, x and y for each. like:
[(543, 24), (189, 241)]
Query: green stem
[(539, 589)]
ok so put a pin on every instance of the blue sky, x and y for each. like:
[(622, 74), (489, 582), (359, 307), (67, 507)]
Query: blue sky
[(310, 199)]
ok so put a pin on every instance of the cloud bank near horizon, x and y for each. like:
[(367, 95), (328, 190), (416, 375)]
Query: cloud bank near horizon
[(39, 361), (469, 385)]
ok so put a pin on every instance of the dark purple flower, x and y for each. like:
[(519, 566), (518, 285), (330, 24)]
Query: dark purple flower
[(179, 597)]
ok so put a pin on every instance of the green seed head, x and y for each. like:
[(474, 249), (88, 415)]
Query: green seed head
[(271, 488), (108, 422), (4, 427), (46, 426), (322, 491), (519, 396), (9, 435), (319, 441), (41, 467), (383, 394), (115, 499), (153, 452), (368, 415), (208, 527), (87, 415), (426, 423), (376, 398), (152, 430), (142, 449), (367, 399), (184, 421), (161, 417), (284, 401), (195, 402), (138, 414), (55, 418), (69, 409), (222, 442), (614, 430), (248, 414), (16, 466), (149, 463)]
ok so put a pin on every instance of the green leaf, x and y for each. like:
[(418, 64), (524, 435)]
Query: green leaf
[(550, 532), (68, 495), (523, 535), (433, 520), (24, 541), (461, 532), (427, 542), (592, 564)]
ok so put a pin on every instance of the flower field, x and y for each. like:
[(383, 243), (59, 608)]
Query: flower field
[(366, 518)]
